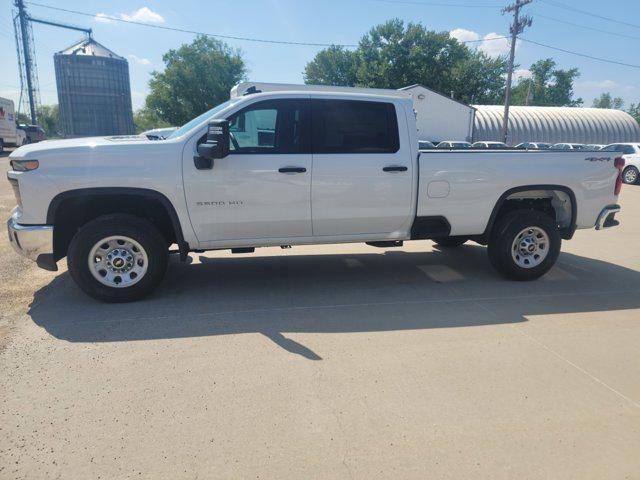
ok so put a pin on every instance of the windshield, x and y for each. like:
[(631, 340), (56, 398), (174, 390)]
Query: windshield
[(201, 118)]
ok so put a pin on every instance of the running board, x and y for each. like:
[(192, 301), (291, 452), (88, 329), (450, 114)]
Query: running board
[(386, 244)]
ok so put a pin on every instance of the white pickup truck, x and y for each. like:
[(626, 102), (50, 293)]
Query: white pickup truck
[(290, 167)]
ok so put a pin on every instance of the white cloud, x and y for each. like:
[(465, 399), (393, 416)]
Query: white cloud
[(494, 45), (463, 35), (140, 61), (522, 73), (143, 14)]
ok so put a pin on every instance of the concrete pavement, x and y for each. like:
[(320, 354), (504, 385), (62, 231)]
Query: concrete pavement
[(330, 362)]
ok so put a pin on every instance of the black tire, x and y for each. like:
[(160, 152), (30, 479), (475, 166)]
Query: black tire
[(1, 146), (504, 234), (450, 242), (136, 228), (634, 175)]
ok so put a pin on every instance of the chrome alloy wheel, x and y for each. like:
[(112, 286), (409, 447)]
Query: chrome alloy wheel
[(118, 261), (630, 176), (530, 247)]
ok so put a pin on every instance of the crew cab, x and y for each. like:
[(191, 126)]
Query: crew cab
[(291, 166)]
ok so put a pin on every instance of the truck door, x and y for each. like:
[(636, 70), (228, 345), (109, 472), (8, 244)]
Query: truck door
[(362, 168), (262, 188)]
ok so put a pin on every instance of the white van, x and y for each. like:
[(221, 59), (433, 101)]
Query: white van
[(9, 135)]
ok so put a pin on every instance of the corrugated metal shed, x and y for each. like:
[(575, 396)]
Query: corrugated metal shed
[(94, 93), (556, 124)]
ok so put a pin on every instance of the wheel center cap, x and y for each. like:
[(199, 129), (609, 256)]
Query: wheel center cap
[(532, 248), (118, 262)]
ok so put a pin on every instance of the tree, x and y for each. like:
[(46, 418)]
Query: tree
[(395, 55), (548, 86), (332, 66), (606, 101), (634, 111), (144, 119), (197, 77), (49, 120)]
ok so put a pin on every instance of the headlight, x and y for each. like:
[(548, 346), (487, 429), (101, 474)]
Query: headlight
[(24, 165)]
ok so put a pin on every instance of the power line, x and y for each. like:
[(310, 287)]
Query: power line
[(230, 37), (608, 32), (437, 4), (600, 59), (571, 8), (193, 32)]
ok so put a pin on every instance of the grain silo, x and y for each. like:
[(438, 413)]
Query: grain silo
[(94, 94)]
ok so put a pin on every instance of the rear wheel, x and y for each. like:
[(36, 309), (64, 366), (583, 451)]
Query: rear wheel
[(630, 175), (450, 242), (1, 146), (524, 245), (118, 258)]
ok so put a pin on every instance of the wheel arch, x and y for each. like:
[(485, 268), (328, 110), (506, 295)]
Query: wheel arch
[(88, 203), (516, 193)]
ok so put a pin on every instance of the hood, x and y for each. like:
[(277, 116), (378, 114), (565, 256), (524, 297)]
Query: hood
[(47, 147)]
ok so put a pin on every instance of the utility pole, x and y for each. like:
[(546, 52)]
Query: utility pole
[(517, 27), (28, 61)]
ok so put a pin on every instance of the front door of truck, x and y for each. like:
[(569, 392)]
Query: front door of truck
[(261, 190)]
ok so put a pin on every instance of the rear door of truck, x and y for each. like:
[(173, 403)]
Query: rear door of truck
[(363, 170)]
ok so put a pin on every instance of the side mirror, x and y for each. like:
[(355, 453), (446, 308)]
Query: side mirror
[(215, 146)]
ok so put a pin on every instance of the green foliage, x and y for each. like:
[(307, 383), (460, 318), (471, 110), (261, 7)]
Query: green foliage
[(144, 119), (634, 111), (48, 119), (332, 66), (197, 77), (395, 55), (22, 119), (548, 86), (606, 101)]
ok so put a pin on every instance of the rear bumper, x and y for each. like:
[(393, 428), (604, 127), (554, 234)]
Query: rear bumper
[(34, 242), (607, 217)]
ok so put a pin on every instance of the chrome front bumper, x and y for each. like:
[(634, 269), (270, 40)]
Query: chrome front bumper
[(607, 217), (34, 242)]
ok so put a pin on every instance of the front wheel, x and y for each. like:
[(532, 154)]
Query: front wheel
[(524, 245), (118, 258)]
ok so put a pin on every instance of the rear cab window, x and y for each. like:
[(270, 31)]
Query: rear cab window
[(353, 127)]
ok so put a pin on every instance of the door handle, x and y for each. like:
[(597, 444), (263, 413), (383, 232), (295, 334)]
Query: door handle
[(395, 168), (292, 170)]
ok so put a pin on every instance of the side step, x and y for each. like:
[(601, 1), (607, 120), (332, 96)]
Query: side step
[(386, 244), (243, 250)]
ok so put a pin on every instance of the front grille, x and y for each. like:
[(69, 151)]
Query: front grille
[(16, 190)]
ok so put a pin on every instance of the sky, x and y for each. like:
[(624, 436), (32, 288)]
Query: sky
[(330, 21)]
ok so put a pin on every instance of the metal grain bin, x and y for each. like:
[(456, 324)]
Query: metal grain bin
[(94, 93)]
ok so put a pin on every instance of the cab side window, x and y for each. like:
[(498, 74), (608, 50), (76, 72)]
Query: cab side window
[(354, 126), (271, 127)]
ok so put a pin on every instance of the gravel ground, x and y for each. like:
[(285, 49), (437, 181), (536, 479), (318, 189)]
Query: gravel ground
[(329, 362)]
